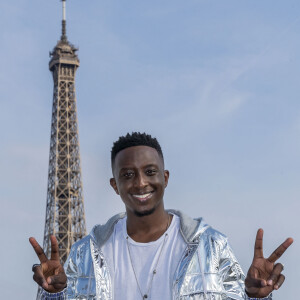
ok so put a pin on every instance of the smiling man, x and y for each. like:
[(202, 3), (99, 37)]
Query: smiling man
[(152, 253)]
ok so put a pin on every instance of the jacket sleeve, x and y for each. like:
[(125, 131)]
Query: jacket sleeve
[(79, 271), (71, 269), (232, 275), (44, 295)]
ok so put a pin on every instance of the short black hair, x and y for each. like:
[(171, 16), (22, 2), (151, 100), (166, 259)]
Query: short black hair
[(134, 139)]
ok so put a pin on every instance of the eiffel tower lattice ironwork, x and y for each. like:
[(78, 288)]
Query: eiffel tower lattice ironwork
[(65, 216)]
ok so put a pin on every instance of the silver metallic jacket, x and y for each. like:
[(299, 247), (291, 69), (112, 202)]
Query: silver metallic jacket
[(208, 269)]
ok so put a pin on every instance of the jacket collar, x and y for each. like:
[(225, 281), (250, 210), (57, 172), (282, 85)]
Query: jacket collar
[(190, 228)]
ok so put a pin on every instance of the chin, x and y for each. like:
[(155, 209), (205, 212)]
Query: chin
[(145, 212)]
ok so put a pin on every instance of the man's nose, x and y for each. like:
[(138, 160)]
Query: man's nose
[(141, 180)]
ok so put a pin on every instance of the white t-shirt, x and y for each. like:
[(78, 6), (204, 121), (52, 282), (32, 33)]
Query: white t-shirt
[(144, 258)]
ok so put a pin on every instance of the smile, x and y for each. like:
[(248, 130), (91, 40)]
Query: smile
[(142, 197)]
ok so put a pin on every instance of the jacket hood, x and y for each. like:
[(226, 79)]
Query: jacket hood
[(190, 228)]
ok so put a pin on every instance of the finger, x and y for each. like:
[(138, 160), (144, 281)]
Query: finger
[(58, 281), (258, 248), (35, 266), (39, 277), (275, 274), (57, 288), (38, 250), (254, 282), (279, 282), (54, 248), (280, 250)]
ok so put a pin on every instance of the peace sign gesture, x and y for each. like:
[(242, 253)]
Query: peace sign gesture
[(264, 275), (50, 274)]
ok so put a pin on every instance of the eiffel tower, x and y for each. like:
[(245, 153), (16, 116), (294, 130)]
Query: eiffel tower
[(65, 216)]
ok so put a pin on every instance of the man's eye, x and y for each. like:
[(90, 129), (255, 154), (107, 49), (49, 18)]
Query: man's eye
[(151, 172), (127, 174)]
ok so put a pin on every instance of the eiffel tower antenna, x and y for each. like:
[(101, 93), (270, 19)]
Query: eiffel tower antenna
[(64, 21)]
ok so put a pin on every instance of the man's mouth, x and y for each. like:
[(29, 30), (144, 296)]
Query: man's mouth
[(142, 197)]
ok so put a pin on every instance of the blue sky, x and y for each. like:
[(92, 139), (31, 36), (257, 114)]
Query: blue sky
[(217, 82)]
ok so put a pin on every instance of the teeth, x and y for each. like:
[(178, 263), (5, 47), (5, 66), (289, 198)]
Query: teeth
[(142, 197)]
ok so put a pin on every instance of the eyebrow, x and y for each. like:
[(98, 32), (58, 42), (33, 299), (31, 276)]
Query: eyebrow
[(144, 167), (151, 165)]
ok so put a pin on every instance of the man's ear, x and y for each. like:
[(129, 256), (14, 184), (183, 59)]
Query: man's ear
[(166, 175), (113, 184)]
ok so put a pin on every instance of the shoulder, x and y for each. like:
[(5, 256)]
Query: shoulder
[(100, 233), (215, 236), (194, 229)]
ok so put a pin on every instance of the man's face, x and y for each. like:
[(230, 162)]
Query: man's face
[(140, 179)]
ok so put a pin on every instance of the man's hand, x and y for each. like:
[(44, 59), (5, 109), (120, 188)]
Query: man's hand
[(264, 275), (50, 274)]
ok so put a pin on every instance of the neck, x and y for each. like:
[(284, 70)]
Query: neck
[(148, 228)]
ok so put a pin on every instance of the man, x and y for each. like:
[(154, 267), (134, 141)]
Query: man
[(151, 253)]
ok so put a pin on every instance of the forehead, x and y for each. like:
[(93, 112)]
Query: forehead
[(137, 156)]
